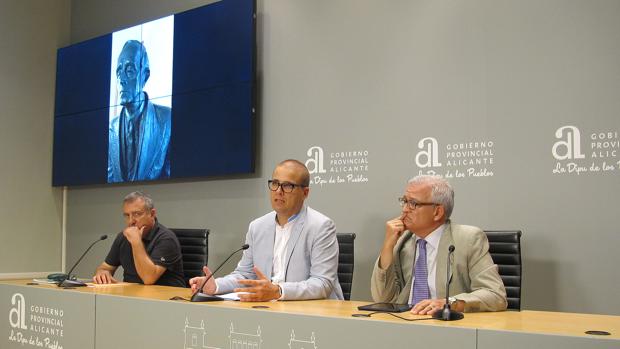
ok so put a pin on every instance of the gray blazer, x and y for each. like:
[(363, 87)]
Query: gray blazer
[(474, 277), (311, 261)]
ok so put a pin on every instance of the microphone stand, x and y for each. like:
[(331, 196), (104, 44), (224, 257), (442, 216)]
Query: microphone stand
[(447, 314), (199, 296), (67, 282)]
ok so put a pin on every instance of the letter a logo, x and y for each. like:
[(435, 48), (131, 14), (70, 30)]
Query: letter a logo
[(428, 156), (17, 315), (569, 146), (315, 162)]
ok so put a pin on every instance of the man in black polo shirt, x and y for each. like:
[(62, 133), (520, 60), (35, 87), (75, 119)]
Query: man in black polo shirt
[(149, 252)]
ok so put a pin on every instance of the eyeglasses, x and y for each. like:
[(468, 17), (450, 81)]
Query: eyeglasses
[(134, 215), (287, 187), (412, 204)]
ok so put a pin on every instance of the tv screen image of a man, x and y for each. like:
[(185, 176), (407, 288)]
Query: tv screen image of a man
[(139, 137)]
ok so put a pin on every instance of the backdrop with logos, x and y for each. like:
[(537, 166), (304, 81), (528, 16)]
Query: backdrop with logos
[(516, 102)]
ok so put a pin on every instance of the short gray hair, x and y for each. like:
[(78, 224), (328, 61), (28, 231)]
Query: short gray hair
[(441, 191), (133, 196)]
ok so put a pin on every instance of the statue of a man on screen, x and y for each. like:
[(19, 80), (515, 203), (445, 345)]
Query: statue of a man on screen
[(139, 137)]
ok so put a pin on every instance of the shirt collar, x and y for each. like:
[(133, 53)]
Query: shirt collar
[(434, 237), (290, 219), (151, 234)]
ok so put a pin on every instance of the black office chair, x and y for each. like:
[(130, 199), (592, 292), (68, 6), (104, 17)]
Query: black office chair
[(505, 249), (195, 250), (346, 244)]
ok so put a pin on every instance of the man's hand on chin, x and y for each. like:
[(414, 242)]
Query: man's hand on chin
[(133, 234)]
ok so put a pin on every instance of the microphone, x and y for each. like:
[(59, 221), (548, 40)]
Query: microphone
[(447, 314), (199, 296), (66, 280)]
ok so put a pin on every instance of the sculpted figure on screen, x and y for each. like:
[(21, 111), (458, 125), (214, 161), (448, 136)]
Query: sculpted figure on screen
[(139, 137)]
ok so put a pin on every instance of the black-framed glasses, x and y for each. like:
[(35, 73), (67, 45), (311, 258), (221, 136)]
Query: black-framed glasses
[(287, 187), (412, 204)]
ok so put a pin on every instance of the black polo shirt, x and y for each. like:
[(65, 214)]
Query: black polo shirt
[(161, 245)]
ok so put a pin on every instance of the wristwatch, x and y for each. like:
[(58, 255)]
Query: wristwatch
[(452, 300), (280, 289)]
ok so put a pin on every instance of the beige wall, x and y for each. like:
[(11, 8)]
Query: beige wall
[(30, 209)]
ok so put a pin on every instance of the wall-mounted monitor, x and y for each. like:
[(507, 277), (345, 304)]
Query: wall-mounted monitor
[(171, 98)]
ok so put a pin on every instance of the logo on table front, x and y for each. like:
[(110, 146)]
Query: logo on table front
[(44, 329), (457, 159), (340, 167), (570, 158), (17, 314)]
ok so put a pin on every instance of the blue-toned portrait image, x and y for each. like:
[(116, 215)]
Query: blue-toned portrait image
[(140, 102)]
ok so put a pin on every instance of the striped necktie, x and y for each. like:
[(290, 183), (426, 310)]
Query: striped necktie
[(420, 289)]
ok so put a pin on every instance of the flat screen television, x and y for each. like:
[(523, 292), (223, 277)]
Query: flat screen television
[(170, 98)]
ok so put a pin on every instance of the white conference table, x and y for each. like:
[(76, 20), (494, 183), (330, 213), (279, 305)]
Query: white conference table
[(138, 316)]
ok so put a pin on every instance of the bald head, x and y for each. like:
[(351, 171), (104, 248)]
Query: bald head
[(299, 168)]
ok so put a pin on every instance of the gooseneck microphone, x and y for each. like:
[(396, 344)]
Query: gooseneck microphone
[(447, 314), (67, 282), (199, 296)]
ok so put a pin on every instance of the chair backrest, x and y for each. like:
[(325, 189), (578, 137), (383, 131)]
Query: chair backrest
[(346, 244), (195, 250), (505, 249)]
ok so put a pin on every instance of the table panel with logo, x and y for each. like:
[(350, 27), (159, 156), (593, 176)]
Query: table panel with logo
[(42, 317), (138, 316)]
